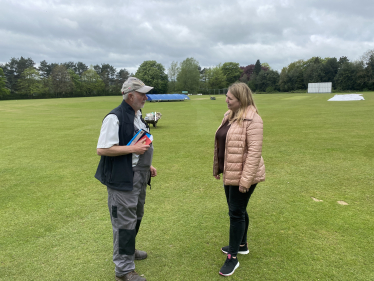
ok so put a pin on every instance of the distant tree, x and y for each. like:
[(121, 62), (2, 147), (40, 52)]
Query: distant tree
[(265, 64), (80, 68), (314, 73), (10, 74), (173, 71), (14, 69), (360, 76), (45, 69), (70, 65), (252, 83), (107, 74), (342, 60), (92, 84), (200, 69), (267, 81), (3, 89), (248, 71), (257, 68), (315, 60), (296, 79), (284, 83), (23, 64), (30, 82), (121, 77), (232, 72), (61, 82), (203, 88), (292, 77), (97, 68), (296, 64), (366, 56), (188, 77), (272, 79), (153, 74), (243, 78), (216, 78), (345, 78), (331, 67), (76, 80), (53, 65), (370, 72)]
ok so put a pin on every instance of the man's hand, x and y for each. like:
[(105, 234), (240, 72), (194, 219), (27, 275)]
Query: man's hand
[(217, 177), (140, 147), (153, 171)]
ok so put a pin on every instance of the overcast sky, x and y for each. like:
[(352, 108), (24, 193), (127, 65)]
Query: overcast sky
[(126, 33)]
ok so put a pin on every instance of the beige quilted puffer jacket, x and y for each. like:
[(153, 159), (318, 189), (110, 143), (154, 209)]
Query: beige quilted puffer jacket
[(244, 164)]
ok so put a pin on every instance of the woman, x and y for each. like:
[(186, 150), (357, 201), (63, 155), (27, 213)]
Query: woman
[(237, 155)]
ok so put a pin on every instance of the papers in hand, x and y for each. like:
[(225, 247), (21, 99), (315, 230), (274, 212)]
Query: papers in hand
[(141, 136)]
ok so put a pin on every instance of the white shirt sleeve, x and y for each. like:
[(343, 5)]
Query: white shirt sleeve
[(109, 132)]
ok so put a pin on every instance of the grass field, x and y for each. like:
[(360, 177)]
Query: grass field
[(55, 223)]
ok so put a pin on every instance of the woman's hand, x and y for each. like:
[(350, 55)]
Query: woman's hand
[(217, 177), (242, 189)]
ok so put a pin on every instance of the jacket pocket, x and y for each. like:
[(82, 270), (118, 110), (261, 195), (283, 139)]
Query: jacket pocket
[(107, 168)]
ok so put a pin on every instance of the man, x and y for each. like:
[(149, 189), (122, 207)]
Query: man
[(126, 170)]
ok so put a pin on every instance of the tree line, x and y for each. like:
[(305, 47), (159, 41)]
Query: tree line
[(19, 78), (344, 74)]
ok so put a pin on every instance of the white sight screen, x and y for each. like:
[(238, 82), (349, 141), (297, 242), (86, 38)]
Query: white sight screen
[(324, 87)]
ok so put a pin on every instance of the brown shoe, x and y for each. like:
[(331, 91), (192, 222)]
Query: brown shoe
[(131, 276), (140, 255)]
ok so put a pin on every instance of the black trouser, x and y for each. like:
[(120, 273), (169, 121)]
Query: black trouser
[(239, 220)]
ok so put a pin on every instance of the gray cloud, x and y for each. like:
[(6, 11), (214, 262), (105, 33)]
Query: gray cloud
[(126, 33)]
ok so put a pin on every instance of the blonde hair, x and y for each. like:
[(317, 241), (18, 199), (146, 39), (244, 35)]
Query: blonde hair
[(243, 93)]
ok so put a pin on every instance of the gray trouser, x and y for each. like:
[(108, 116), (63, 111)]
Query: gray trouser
[(126, 210)]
